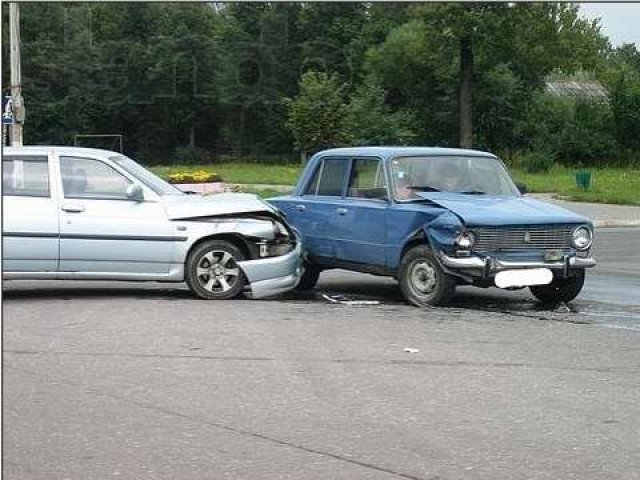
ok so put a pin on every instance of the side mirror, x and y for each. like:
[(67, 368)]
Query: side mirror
[(135, 193), (522, 187)]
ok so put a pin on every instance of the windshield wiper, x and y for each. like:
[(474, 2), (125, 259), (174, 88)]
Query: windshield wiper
[(473, 192), (423, 188)]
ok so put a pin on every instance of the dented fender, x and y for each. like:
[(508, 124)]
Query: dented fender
[(442, 231)]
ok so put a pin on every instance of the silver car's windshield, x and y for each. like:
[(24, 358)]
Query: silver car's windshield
[(155, 183), (455, 174)]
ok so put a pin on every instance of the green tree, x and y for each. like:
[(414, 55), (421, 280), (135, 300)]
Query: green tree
[(437, 63), (408, 66), (625, 104), (369, 121), (316, 115)]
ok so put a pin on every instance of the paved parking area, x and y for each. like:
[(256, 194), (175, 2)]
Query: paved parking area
[(128, 381)]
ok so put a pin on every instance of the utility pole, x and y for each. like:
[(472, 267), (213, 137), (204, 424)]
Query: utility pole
[(16, 76)]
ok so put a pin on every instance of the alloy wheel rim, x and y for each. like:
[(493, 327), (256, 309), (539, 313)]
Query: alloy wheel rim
[(423, 277), (217, 271)]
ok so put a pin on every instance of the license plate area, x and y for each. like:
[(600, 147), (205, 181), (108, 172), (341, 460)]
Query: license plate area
[(553, 255), (523, 278)]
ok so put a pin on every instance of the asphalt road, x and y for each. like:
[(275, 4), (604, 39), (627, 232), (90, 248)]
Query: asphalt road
[(136, 381)]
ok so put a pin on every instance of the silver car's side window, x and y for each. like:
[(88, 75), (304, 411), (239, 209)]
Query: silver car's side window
[(25, 176), (89, 178)]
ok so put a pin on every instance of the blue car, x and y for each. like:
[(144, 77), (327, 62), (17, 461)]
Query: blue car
[(434, 218)]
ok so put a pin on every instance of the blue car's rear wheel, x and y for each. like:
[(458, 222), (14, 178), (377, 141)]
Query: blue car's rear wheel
[(309, 277), (212, 270), (422, 280)]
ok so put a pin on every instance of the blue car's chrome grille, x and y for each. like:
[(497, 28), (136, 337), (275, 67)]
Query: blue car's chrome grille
[(523, 238)]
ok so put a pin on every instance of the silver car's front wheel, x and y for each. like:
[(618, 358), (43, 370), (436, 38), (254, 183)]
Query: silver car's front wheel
[(212, 270)]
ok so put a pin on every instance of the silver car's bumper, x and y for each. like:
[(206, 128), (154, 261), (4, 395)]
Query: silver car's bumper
[(273, 275), (486, 266)]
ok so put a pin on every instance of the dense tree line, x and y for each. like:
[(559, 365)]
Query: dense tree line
[(189, 82)]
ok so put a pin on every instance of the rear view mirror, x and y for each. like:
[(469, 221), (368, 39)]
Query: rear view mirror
[(135, 193)]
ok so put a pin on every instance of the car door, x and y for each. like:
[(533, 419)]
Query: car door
[(102, 231), (313, 210), (30, 231), (359, 221)]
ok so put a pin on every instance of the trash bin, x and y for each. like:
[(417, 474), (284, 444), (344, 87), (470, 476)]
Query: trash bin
[(583, 179)]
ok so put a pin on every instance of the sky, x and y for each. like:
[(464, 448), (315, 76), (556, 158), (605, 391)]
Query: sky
[(620, 21)]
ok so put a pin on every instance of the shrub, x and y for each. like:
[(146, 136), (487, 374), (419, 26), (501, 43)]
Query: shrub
[(537, 161), (369, 121), (316, 114), (577, 131)]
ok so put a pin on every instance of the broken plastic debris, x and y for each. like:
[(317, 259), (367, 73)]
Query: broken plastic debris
[(411, 350), (345, 300)]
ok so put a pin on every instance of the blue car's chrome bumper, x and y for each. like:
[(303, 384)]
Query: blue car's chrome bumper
[(486, 266), (274, 275)]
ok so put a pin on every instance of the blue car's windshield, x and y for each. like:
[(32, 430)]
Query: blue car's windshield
[(145, 176), (446, 173)]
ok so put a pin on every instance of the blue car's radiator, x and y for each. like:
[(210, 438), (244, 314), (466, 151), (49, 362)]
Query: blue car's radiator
[(523, 237)]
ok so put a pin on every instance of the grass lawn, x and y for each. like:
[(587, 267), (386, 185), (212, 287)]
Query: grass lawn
[(242, 172), (608, 185)]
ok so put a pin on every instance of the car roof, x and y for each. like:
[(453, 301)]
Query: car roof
[(387, 152), (61, 149)]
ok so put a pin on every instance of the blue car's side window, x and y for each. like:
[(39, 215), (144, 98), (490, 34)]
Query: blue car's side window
[(367, 179), (312, 186), (329, 178)]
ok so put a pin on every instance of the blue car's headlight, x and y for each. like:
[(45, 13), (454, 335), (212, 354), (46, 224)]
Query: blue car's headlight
[(582, 238), (465, 240)]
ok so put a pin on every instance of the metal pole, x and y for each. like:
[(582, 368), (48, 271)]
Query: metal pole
[(16, 76)]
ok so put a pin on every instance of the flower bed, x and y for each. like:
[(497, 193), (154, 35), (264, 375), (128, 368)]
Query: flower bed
[(201, 182), (199, 176)]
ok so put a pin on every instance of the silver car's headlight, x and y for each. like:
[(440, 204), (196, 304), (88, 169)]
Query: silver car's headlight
[(279, 230), (582, 238), (465, 240)]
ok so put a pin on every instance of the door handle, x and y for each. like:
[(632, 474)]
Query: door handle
[(342, 211), (301, 208), (72, 208)]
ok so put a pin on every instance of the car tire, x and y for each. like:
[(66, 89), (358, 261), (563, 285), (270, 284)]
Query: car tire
[(212, 271), (560, 289), (309, 278), (423, 282)]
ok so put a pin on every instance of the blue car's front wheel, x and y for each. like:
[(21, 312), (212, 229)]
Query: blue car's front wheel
[(422, 280)]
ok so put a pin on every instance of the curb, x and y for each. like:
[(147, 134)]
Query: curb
[(265, 186), (616, 223)]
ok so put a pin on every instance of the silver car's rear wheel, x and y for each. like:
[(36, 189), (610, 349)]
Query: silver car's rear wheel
[(213, 271)]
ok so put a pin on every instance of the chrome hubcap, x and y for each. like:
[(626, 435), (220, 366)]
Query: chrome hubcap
[(423, 277), (217, 271)]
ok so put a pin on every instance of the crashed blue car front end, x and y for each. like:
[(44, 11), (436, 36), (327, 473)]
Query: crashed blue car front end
[(435, 218)]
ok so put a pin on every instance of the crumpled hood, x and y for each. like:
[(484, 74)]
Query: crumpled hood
[(497, 210), (193, 206)]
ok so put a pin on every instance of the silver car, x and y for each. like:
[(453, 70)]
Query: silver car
[(86, 214)]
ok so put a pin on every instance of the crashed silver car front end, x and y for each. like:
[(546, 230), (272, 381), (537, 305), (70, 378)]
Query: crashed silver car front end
[(273, 275), (274, 250)]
